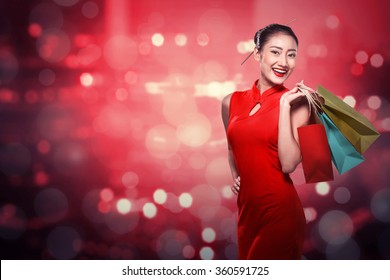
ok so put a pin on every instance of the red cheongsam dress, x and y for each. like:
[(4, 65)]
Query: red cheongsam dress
[(271, 221)]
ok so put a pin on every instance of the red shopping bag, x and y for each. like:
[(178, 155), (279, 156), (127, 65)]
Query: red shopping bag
[(315, 151)]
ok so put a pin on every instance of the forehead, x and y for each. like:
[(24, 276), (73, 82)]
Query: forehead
[(282, 40)]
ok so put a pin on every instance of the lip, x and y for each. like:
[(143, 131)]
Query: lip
[(279, 72)]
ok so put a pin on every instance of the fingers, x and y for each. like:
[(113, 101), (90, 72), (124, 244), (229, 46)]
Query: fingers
[(236, 185)]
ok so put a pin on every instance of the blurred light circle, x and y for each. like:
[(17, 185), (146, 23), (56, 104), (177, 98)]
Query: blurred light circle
[(215, 70), (106, 194), (176, 106), (53, 45), (195, 131), (310, 214), (161, 141), (173, 162), (123, 206), (349, 250), (332, 22), (86, 79), (206, 202), (47, 15), (203, 39), (217, 23), (374, 102), (90, 206), (114, 120), (380, 205), (376, 60), (9, 66), (181, 40), (317, 50), (342, 195), (130, 179), (15, 159), (70, 157), (66, 3), (335, 227), (206, 253), (322, 188), (149, 210), (64, 243), (157, 39), (120, 52), (185, 200), (12, 222), (361, 57), (218, 172), (51, 205), (208, 235), (172, 203), (171, 243), (90, 9), (227, 192), (120, 223), (41, 178), (350, 100), (144, 48), (160, 196), (47, 77), (386, 124), (131, 77), (35, 30), (197, 160), (188, 252), (245, 47), (88, 55), (357, 69)]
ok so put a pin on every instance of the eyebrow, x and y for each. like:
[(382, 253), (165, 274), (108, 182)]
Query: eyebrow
[(282, 48)]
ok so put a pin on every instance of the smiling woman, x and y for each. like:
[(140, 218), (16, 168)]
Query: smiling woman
[(261, 126)]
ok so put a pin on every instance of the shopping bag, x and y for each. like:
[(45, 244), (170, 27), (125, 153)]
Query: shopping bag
[(344, 154), (353, 125), (315, 151)]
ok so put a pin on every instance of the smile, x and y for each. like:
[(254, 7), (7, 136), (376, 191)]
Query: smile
[(279, 72)]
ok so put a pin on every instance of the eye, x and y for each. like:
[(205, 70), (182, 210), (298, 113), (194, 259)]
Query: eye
[(292, 55), (274, 51)]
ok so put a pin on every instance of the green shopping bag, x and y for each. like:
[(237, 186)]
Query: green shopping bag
[(344, 154)]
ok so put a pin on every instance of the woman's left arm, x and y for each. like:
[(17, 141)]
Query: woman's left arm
[(294, 113)]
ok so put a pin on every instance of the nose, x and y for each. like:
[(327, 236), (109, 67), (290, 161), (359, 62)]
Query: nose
[(282, 61)]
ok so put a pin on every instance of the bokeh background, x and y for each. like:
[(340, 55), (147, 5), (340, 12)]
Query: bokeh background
[(111, 141)]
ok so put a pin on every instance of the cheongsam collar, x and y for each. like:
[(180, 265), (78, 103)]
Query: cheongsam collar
[(259, 98)]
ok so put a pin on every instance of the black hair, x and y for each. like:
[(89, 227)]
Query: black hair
[(263, 35)]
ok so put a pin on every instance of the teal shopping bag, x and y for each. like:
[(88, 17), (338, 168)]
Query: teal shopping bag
[(344, 154)]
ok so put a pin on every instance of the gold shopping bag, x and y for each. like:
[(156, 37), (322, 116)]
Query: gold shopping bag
[(353, 125)]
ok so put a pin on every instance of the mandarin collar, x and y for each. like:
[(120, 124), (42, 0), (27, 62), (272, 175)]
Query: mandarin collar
[(259, 98)]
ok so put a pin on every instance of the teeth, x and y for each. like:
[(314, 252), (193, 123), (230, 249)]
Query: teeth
[(280, 71)]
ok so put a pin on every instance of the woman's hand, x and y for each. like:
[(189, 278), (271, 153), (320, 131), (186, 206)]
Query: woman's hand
[(291, 97), (236, 185)]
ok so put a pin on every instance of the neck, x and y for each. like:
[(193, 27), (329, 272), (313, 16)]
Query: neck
[(263, 85)]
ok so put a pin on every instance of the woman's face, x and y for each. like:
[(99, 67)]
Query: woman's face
[(277, 59)]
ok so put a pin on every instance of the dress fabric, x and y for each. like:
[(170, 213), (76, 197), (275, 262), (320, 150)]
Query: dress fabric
[(271, 221)]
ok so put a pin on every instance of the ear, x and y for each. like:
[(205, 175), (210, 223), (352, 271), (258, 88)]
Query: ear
[(256, 54)]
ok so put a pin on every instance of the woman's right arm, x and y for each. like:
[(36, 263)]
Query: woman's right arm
[(225, 117)]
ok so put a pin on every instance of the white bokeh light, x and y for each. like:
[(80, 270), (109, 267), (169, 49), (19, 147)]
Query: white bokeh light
[(160, 196), (322, 188), (149, 210), (185, 200), (123, 205)]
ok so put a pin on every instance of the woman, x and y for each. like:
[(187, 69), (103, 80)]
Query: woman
[(261, 126)]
